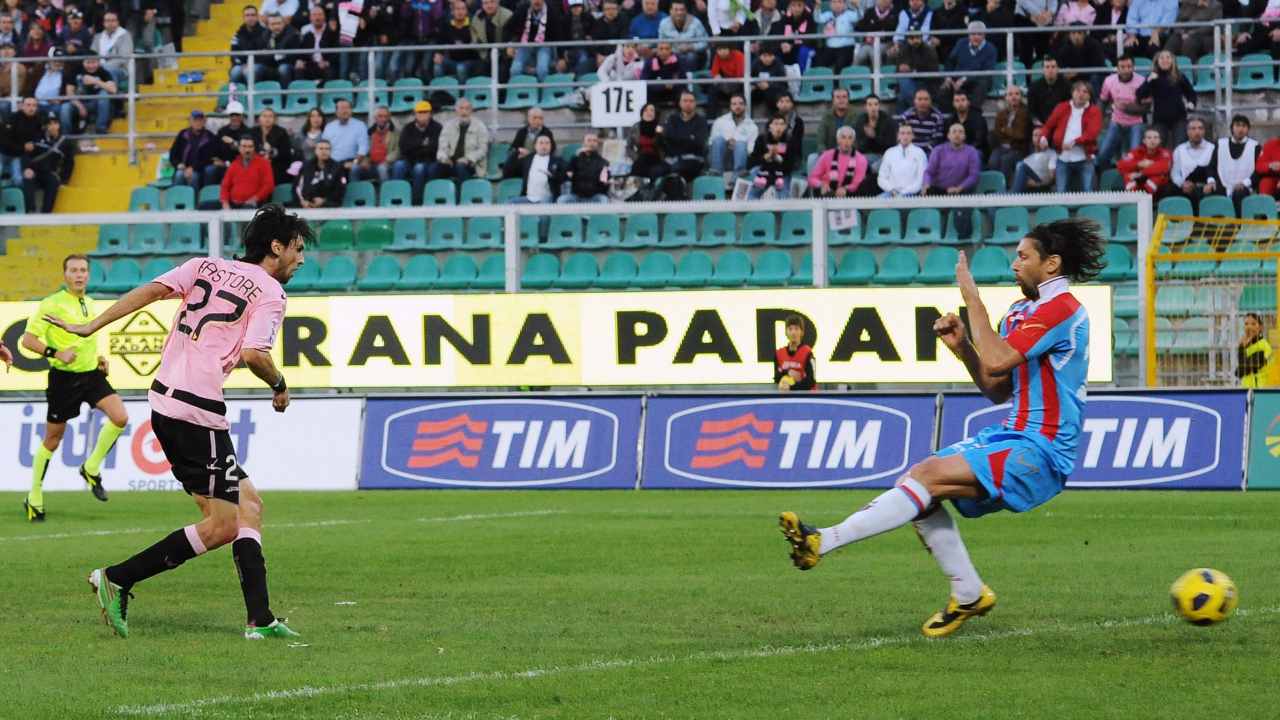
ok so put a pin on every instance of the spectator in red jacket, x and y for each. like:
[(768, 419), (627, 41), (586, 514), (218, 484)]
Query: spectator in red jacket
[(1146, 167), (248, 182), (1072, 130), (1268, 168)]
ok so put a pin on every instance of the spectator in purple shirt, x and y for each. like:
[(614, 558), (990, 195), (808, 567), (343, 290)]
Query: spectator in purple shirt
[(953, 169)]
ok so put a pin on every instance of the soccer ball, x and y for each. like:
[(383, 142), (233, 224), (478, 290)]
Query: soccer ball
[(1204, 596)]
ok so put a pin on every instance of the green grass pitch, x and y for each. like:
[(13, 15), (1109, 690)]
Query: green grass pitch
[(559, 604)]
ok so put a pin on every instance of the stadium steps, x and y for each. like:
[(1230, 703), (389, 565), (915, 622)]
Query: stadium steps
[(103, 179), (30, 265)]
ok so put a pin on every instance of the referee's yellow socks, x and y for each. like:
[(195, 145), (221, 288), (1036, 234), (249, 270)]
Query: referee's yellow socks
[(39, 466), (107, 437)]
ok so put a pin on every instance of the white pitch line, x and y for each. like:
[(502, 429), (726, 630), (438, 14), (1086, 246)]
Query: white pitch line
[(492, 516), (607, 664)]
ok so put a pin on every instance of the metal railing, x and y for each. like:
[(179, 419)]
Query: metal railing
[(1223, 68)]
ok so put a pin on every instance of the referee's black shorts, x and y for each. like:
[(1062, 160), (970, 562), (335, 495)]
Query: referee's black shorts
[(67, 390)]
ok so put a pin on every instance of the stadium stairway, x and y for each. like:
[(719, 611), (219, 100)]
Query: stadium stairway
[(31, 261), (103, 180)]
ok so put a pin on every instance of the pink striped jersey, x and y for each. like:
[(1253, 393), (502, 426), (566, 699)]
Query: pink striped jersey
[(1052, 333), (227, 306)]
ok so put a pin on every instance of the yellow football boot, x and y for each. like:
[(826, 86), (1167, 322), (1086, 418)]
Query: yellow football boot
[(805, 540), (947, 621)]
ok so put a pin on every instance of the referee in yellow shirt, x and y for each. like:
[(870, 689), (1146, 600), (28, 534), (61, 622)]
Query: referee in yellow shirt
[(77, 374)]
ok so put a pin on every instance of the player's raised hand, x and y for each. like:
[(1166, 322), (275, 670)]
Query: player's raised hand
[(964, 278), (950, 329), (81, 330)]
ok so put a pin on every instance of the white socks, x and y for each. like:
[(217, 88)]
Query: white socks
[(939, 533), (894, 508)]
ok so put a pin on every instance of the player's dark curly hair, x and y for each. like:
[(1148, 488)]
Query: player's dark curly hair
[(271, 222), (1078, 241)]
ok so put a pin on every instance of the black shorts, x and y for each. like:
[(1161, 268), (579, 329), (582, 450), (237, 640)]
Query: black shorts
[(203, 459), (68, 389)]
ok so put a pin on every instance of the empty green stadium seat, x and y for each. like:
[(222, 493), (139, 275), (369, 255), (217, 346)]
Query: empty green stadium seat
[(1258, 298), (580, 271), (484, 233), (1100, 214), (1176, 205), (447, 233), (990, 265), (381, 96), (1051, 213), (857, 267), (656, 270), (396, 193), (733, 269), (773, 268), (147, 240), (529, 227), (758, 229), (568, 150), (209, 194), (1164, 334), (797, 229), (1126, 229), (603, 231), (300, 98), (12, 201), (1195, 335), (641, 231), (718, 229), (619, 271), (179, 197), (540, 272), (360, 194), (1258, 207), (899, 267), (803, 274), (1190, 269), (493, 163), (332, 92), (939, 266), (266, 94), (1125, 305), (1175, 300), (155, 268), (844, 236), (1125, 339), (952, 235), (476, 191), (144, 198), (409, 234), (439, 192), (420, 273), (1010, 225), (695, 270), (382, 274), (492, 274), (884, 227), (458, 272), (1119, 264), (565, 231), (924, 227), (556, 95), (508, 190), (282, 194), (338, 274), (1255, 72), (304, 280), (1243, 268), (374, 235), (1216, 206), (185, 239), (816, 85), (679, 230), (857, 80), (335, 235), (706, 187), (519, 93), (991, 182)]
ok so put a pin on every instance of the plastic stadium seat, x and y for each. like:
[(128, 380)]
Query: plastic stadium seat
[(851, 235), (1164, 334), (300, 98), (443, 92), (554, 96), (857, 80), (773, 268), (1126, 229), (97, 276), (603, 231), (360, 194), (803, 274), (1119, 264), (1176, 300), (266, 94), (493, 167), (12, 201), (112, 240), (224, 92), (439, 192), (1051, 213), (541, 271), (479, 92), (658, 269), (185, 239), (642, 231), (492, 274), (381, 97), (706, 187), (209, 194), (991, 182), (733, 269), (797, 229), (924, 227), (1254, 72), (374, 235), (758, 229), (483, 233), (900, 267), (382, 274), (1216, 206), (580, 271), (123, 275), (568, 150), (1175, 206), (405, 93), (816, 85), (519, 94), (1100, 214), (156, 267), (679, 230), (529, 227), (420, 273), (476, 191), (304, 280), (1010, 225), (395, 193), (718, 229), (147, 240), (1243, 268), (1258, 298), (338, 274), (458, 272), (990, 265), (144, 198), (952, 235), (695, 270), (857, 267), (409, 234), (884, 227), (565, 231), (508, 189), (446, 233), (282, 194), (619, 271), (1125, 340), (1111, 181), (332, 92), (1258, 207), (1190, 269), (180, 197), (335, 235), (939, 266)]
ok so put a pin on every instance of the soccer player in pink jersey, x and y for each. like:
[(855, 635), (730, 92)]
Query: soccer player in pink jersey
[(231, 311)]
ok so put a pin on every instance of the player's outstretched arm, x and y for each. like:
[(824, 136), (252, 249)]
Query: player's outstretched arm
[(135, 299), (995, 356), (261, 365)]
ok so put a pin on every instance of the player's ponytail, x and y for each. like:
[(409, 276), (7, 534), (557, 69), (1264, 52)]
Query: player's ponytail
[(1078, 241), (271, 222)]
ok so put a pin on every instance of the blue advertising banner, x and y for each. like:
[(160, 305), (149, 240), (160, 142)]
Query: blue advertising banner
[(501, 443), (1158, 440), (785, 442)]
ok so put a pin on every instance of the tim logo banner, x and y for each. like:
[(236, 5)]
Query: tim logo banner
[(1164, 440), (784, 442), (483, 443)]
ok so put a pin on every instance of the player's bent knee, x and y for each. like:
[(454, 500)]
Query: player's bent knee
[(927, 470)]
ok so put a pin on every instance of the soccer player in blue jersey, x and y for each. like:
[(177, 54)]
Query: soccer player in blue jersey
[(1038, 361)]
